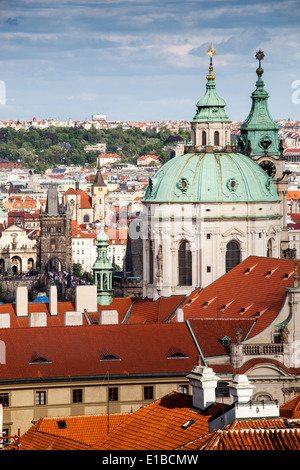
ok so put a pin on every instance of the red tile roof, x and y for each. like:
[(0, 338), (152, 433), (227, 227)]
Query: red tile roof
[(140, 349), (70, 432), (158, 426), (253, 290), (147, 311), (248, 439), (291, 409)]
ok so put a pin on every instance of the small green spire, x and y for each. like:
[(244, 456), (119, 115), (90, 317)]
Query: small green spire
[(210, 107), (259, 131), (103, 270)]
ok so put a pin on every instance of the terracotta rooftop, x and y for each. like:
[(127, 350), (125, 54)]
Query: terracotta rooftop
[(71, 432), (163, 425), (254, 291), (52, 352)]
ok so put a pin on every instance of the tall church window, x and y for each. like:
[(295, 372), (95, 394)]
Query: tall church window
[(269, 249), (203, 138), (233, 255), (185, 264), (151, 255), (216, 138)]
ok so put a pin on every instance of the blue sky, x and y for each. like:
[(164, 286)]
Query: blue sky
[(144, 59)]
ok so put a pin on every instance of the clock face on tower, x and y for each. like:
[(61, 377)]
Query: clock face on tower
[(269, 167)]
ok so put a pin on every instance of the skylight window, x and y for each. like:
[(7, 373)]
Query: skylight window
[(187, 424), (62, 424)]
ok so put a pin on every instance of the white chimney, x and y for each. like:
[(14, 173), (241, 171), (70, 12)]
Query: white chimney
[(109, 317), (179, 315), (203, 381), (4, 320), (86, 298), (21, 301), (73, 318), (241, 389), (38, 319), (53, 300)]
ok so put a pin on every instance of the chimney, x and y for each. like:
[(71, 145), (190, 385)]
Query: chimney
[(86, 298), (4, 320), (73, 318), (21, 301), (38, 319), (179, 315), (109, 317), (53, 300), (241, 389), (203, 381)]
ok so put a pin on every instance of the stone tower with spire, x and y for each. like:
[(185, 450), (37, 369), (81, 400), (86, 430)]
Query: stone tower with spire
[(259, 139), (56, 235), (99, 195)]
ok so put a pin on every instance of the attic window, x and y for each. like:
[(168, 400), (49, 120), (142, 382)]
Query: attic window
[(108, 356), (188, 424), (175, 353), (225, 341), (62, 424), (38, 358)]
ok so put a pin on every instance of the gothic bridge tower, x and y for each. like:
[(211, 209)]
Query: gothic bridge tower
[(56, 235)]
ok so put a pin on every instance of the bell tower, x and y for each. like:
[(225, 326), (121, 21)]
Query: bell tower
[(259, 140), (210, 127)]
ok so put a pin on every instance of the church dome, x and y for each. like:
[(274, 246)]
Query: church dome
[(211, 177), (211, 171)]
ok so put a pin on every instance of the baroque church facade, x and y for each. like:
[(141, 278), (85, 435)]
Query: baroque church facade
[(209, 209)]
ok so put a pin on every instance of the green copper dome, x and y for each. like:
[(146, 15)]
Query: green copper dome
[(210, 174), (210, 177)]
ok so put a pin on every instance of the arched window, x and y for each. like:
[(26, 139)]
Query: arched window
[(269, 249), (151, 255), (86, 218), (185, 264), (216, 138), (233, 255), (203, 138)]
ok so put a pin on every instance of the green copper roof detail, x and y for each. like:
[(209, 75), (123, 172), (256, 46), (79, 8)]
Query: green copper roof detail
[(210, 177), (210, 107), (259, 132)]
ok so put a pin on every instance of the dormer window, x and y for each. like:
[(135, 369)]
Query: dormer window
[(225, 340)]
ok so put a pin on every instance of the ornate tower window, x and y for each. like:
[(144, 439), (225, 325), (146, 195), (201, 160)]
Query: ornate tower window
[(216, 138), (185, 264), (233, 255), (203, 138)]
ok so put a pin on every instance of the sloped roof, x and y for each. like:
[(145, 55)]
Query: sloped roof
[(291, 409), (158, 426), (70, 432), (147, 311), (140, 349), (253, 290), (257, 435)]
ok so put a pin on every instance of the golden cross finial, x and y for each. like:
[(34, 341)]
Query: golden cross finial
[(211, 51)]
